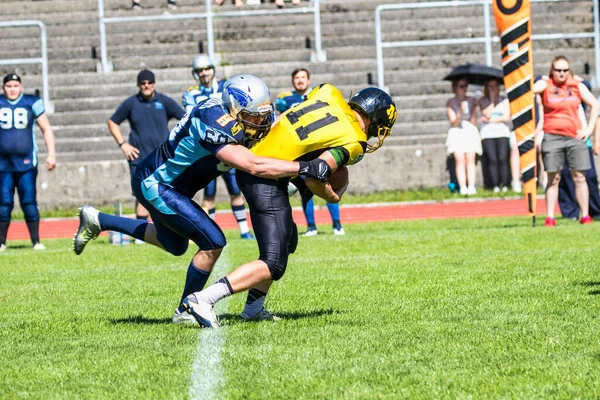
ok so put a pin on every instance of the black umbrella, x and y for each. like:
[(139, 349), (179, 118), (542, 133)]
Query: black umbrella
[(475, 74)]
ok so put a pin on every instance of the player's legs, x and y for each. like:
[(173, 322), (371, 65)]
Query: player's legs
[(309, 214), (208, 200), (7, 195), (334, 211), (25, 182), (237, 203), (271, 216)]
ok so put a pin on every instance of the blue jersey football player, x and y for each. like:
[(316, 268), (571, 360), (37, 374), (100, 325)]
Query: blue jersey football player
[(207, 142), (18, 155), (203, 70)]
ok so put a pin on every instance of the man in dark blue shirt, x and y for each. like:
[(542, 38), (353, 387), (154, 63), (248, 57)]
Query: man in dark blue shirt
[(148, 113)]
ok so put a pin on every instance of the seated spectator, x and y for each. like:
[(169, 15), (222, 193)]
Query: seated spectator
[(237, 3), (463, 137), (564, 135), (495, 135), (137, 6), (281, 3)]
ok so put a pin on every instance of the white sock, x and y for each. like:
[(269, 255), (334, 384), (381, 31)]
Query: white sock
[(217, 291)]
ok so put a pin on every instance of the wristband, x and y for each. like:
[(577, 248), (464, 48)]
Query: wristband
[(122, 143)]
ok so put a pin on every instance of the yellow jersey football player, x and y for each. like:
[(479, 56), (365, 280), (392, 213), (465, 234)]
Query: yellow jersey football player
[(325, 125)]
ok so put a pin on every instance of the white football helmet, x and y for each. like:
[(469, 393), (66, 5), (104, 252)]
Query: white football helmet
[(203, 69), (247, 99)]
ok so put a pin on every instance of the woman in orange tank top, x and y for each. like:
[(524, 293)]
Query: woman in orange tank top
[(564, 136)]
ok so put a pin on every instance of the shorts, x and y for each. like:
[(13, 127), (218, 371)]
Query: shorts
[(178, 218), (232, 188), (556, 149)]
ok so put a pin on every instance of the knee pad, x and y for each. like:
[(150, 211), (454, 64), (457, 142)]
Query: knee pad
[(293, 243), (30, 211), (5, 211), (276, 268)]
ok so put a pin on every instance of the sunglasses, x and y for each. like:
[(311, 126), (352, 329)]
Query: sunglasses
[(144, 83), (203, 69), (564, 71)]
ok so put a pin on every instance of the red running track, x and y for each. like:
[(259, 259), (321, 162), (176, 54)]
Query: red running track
[(351, 214)]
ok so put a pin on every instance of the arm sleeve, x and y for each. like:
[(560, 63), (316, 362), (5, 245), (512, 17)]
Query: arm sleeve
[(38, 108), (122, 112)]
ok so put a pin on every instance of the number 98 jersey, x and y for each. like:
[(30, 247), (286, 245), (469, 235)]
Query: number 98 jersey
[(324, 121), (18, 151)]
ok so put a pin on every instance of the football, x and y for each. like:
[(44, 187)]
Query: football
[(339, 178)]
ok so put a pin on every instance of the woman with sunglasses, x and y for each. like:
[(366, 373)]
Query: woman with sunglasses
[(564, 136), (463, 137)]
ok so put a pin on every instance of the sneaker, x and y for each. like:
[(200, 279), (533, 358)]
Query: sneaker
[(138, 241), (183, 318), (504, 189), (496, 189), (247, 235), (39, 246), (89, 228), (202, 311), (263, 315), (339, 232), (172, 4), (471, 191), (2, 248), (464, 191), (311, 232), (550, 222), (516, 187), (136, 6), (586, 220)]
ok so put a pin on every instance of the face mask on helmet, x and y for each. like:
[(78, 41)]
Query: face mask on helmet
[(247, 99), (379, 107), (203, 70)]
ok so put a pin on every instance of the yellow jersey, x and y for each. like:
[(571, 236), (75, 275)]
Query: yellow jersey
[(324, 121)]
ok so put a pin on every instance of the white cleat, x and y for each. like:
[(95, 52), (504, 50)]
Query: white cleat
[(2, 248), (311, 232), (183, 318), (89, 228), (263, 315), (339, 232), (39, 246), (201, 310)]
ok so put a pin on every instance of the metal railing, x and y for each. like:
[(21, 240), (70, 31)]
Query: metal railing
[(43, 59), (318, 55), (487, 39)]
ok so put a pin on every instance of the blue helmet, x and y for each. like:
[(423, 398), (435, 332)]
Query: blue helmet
[(247, 99)]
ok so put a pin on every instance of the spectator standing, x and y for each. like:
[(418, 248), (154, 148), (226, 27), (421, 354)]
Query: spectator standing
[(137, 5), (285, 101), (18, 155), (148, 113), (495, 135), (208, 86), (567, 200), (564, 136), (463, 139)]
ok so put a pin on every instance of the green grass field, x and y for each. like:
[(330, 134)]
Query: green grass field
[(480, 308)]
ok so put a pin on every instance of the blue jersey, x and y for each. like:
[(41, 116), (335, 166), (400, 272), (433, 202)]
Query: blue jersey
[(187, 161), (18, 151), (287, 100), (196, 94)]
